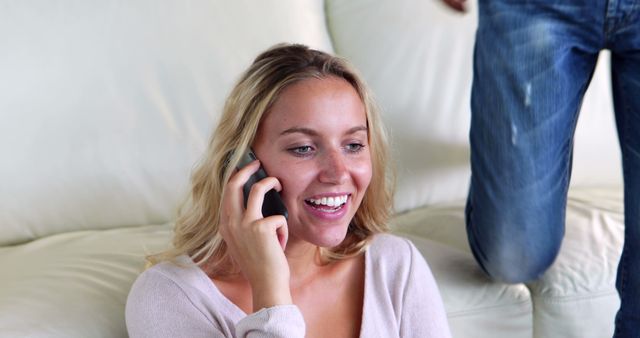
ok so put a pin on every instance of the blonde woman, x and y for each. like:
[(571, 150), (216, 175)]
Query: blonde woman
[(328, 269)]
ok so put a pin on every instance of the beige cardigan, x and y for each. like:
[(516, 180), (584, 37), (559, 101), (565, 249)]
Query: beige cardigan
[(401, 299)]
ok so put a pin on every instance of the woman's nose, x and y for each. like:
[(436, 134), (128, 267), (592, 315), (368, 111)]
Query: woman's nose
[(334, 169)]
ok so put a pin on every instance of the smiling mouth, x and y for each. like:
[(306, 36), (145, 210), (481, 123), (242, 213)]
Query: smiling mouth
[(328, 204)]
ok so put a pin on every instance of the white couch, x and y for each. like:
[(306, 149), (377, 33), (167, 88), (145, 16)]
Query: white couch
[(106, 105)]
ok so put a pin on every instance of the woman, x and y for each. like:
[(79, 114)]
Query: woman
[(328, 270)]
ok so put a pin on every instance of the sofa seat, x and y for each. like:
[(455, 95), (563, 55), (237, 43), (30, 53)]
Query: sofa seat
[(576, 297), (88, 274), (73, 284), (476, 306)]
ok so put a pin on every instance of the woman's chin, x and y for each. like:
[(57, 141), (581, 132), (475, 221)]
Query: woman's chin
[(330, 239), (322, 234)]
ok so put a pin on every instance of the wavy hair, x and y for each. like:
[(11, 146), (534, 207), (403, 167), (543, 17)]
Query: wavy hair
[(197, 226)]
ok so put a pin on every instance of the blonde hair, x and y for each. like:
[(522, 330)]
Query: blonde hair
[(197, 225)]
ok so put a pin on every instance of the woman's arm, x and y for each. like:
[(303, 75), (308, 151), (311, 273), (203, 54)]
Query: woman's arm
[(159, 306)]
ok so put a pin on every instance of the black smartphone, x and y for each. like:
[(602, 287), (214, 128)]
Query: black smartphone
[(273, 204)]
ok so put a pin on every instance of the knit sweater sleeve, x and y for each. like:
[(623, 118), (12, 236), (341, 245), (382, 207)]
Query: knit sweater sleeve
[(283, 321), (166, 301)]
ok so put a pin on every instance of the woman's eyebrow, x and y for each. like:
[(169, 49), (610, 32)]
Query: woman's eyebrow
[(301, 130), (311, 132), (357, 129)]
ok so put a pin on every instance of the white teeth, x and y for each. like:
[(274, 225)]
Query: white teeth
[(330, 201)]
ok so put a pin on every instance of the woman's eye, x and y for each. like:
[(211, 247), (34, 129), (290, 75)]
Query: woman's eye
[(354, 147), (302, 150)]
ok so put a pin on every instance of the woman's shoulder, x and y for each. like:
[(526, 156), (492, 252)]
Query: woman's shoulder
[(404, 286), (179, 276), (386, 245), (395, 256), (172, 292), (179, 270)]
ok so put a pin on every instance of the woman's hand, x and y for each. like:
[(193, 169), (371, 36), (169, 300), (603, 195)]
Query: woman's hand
[(256, 243)]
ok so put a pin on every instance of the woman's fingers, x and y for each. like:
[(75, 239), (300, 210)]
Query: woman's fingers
[(245, 230), (257, 195), (256, 243), (458, 5), (238, 179)]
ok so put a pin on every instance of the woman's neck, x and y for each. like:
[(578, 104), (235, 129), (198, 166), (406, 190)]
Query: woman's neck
[(304, 260)]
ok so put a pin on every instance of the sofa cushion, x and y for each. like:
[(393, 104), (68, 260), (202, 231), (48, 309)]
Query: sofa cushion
[(76, 284), (417, 55), (578, 288), (476, 306), (106, 105), (73, 285)]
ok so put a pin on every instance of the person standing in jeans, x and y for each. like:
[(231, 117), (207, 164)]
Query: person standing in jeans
[(533, 62)]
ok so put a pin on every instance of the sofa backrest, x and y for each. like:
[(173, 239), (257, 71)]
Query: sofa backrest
[(417, 56), (106, 105)]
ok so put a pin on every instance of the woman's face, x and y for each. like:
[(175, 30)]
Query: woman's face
[(315, 141)]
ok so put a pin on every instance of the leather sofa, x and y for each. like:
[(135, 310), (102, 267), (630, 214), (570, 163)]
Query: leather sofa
[(106, 105)]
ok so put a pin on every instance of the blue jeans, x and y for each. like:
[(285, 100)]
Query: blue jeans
[(532, 65)]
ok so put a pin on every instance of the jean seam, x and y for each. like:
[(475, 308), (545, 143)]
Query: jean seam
[(608, 24)]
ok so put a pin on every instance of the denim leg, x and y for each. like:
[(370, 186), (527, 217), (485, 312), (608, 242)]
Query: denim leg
[(624, 40), (532, 65)]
